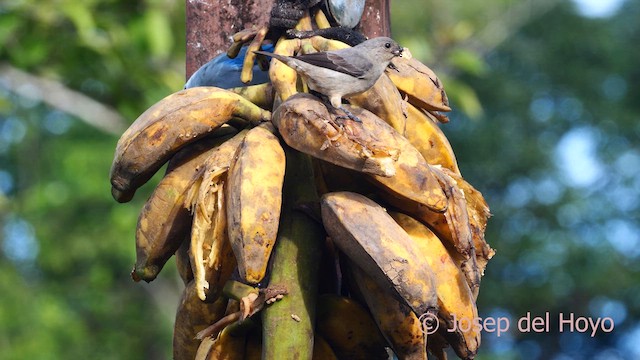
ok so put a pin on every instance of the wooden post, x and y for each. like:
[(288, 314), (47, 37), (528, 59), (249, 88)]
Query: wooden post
[(376, 18), (210, 24)]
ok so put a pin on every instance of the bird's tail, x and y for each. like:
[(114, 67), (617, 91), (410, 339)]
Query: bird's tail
[(284, 59)]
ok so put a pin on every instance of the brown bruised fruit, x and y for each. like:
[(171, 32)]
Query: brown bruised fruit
[(193, 316), (455, 300), (254, 200), (399, 325), (164, 221), (420, 83), (365, 232), (167, 126), (427, 137), (371, 146), (306, 125), (349, 329), (384, 100)]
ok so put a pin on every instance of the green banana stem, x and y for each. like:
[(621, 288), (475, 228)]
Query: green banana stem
[(288, 324)]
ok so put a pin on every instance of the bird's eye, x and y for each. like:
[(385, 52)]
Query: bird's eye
[(387, 45)]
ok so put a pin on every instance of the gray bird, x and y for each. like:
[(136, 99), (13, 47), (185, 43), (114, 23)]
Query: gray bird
[(344, 72)]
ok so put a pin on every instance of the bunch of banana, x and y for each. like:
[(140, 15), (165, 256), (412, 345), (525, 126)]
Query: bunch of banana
[(351, 240)]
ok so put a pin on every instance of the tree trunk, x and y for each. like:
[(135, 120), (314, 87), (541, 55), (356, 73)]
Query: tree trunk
[(376, 19), (210, 24)]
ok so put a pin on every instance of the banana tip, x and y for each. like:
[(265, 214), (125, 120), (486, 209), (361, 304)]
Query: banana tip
[(147, 273), (121, 196), (379, 166)]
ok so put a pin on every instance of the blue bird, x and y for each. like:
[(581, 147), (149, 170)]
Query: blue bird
[(224, 72)]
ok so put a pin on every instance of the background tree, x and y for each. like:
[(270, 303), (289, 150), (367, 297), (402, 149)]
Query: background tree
[(545, 125)]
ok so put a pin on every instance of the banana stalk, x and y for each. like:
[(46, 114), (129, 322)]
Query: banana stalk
[(287, 325)]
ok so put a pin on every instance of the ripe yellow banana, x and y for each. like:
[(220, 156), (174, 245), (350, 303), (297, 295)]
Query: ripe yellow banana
[(246, 74), (254, 199), (324, 44), (415, 179), (283, 77), (167, 126), (349, 329), (365, 232), (455, 300), (425, 135), (192, 316), (306, 125), (371, 146), (164, 221), (261, 95), (321, 20), (399, 325), (458, 235), (420, 83), (384, 100), (452, 227)]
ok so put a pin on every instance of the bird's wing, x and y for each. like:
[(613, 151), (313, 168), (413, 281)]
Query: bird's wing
[(336, 62)]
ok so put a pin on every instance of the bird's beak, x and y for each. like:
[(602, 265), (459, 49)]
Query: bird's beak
[(398, 51)]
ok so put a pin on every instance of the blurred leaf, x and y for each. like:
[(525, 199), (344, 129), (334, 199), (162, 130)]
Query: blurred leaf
[(158, 32), (467, 61), (464, 97), (8, 25)]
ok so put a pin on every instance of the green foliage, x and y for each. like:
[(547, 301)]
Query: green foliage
[(67, 247), (126, 54), (555, 153)]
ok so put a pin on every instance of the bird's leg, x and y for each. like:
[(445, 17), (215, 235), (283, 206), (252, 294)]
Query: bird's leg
[(349, 115), (333, 109)]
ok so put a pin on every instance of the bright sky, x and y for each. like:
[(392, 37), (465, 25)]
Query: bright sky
[(598, 8)]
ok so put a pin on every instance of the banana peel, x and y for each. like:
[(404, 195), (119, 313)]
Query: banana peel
[(193, 316), (254, 200), (371, 146), (173, 122), (164, 221), (425, 135), (349, 329), (399, 325), (306, 125), (419, 83), (372, 240), (455, 299), (210, 254)]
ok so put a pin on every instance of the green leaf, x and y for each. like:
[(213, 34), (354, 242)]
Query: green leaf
[(467, 61), (158, 29), (463, 97)]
